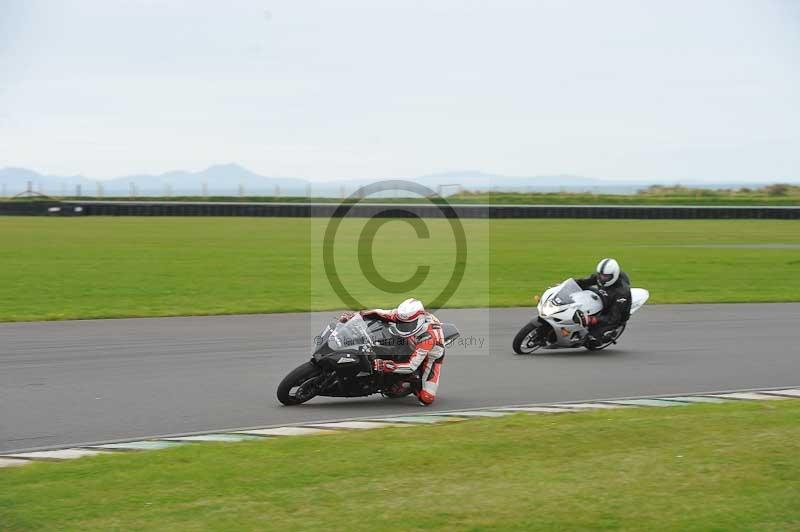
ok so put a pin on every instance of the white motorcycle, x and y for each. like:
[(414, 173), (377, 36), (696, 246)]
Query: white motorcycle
[(559, 325)]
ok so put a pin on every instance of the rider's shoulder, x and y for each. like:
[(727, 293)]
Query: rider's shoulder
[(428, 334)]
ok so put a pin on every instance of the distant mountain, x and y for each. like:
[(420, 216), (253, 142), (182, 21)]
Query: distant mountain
[(219, 179), (231, 179), (16, 180)]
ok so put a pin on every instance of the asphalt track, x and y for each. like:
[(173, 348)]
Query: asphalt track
[(64, 383)]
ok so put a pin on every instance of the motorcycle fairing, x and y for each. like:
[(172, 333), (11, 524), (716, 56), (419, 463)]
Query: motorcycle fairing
[(347, 349), (639, 297), (558, 307)]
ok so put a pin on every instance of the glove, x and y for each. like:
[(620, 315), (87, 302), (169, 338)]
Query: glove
[(383, 366), (587, 321), (346, 315)]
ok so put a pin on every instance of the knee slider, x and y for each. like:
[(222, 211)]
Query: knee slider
[(426, 397)]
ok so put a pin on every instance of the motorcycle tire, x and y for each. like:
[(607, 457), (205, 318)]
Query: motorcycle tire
[(523, 339), (298, 376)]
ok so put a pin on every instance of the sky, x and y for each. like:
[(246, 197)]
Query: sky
[(664, 91)]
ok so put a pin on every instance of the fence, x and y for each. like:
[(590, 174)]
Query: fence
[(305, 210)]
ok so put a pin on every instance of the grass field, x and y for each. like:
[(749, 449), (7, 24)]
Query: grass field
[(116, 267), (776, 194), (779, 194), (704, 467)]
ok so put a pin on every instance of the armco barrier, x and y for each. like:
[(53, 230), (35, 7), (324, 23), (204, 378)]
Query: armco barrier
[(26, 208), (367, 210)]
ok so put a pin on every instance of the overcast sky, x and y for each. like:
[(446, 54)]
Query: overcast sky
[(663, 90)]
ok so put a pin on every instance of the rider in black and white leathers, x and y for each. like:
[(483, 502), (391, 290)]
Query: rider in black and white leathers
[(614, 289)]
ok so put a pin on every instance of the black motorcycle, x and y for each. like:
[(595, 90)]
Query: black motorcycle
[(341, 365)]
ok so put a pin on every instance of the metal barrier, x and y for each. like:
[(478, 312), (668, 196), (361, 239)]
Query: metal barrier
[(367, 210)]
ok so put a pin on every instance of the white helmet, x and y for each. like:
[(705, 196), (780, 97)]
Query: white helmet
[(607, 272), (409, 317)]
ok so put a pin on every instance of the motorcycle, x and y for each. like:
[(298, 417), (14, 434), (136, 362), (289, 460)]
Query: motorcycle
[(558, 323), (341, 364)]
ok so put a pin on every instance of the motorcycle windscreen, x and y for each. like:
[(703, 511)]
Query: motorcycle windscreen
[(564, 295), (321, 340), (350, 335)]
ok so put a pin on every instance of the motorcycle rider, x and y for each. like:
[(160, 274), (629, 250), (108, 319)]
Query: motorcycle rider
[(422, 331), (614, 289)]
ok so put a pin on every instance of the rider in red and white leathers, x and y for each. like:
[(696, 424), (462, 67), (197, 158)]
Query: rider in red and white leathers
[(423, 333)]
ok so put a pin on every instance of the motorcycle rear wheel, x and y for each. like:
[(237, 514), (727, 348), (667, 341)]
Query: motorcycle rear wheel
[(290, 390), (528, 339)]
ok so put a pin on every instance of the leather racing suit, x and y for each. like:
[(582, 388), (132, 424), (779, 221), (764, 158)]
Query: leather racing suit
[(427, 352), (616, 303)]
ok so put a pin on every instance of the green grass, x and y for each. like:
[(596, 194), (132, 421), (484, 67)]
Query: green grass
[(511, 198), (704, 467), (776, 194), (98, 267), (779, 194)]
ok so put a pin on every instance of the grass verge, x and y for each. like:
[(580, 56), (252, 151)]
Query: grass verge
[(774, 195), (119, 267), (704, 467)]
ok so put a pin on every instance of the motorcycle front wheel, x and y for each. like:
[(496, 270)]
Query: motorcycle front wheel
[(529, 339), (298, 386)]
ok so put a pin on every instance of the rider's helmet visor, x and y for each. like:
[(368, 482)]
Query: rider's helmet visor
[(605, 278), (407, 328)]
